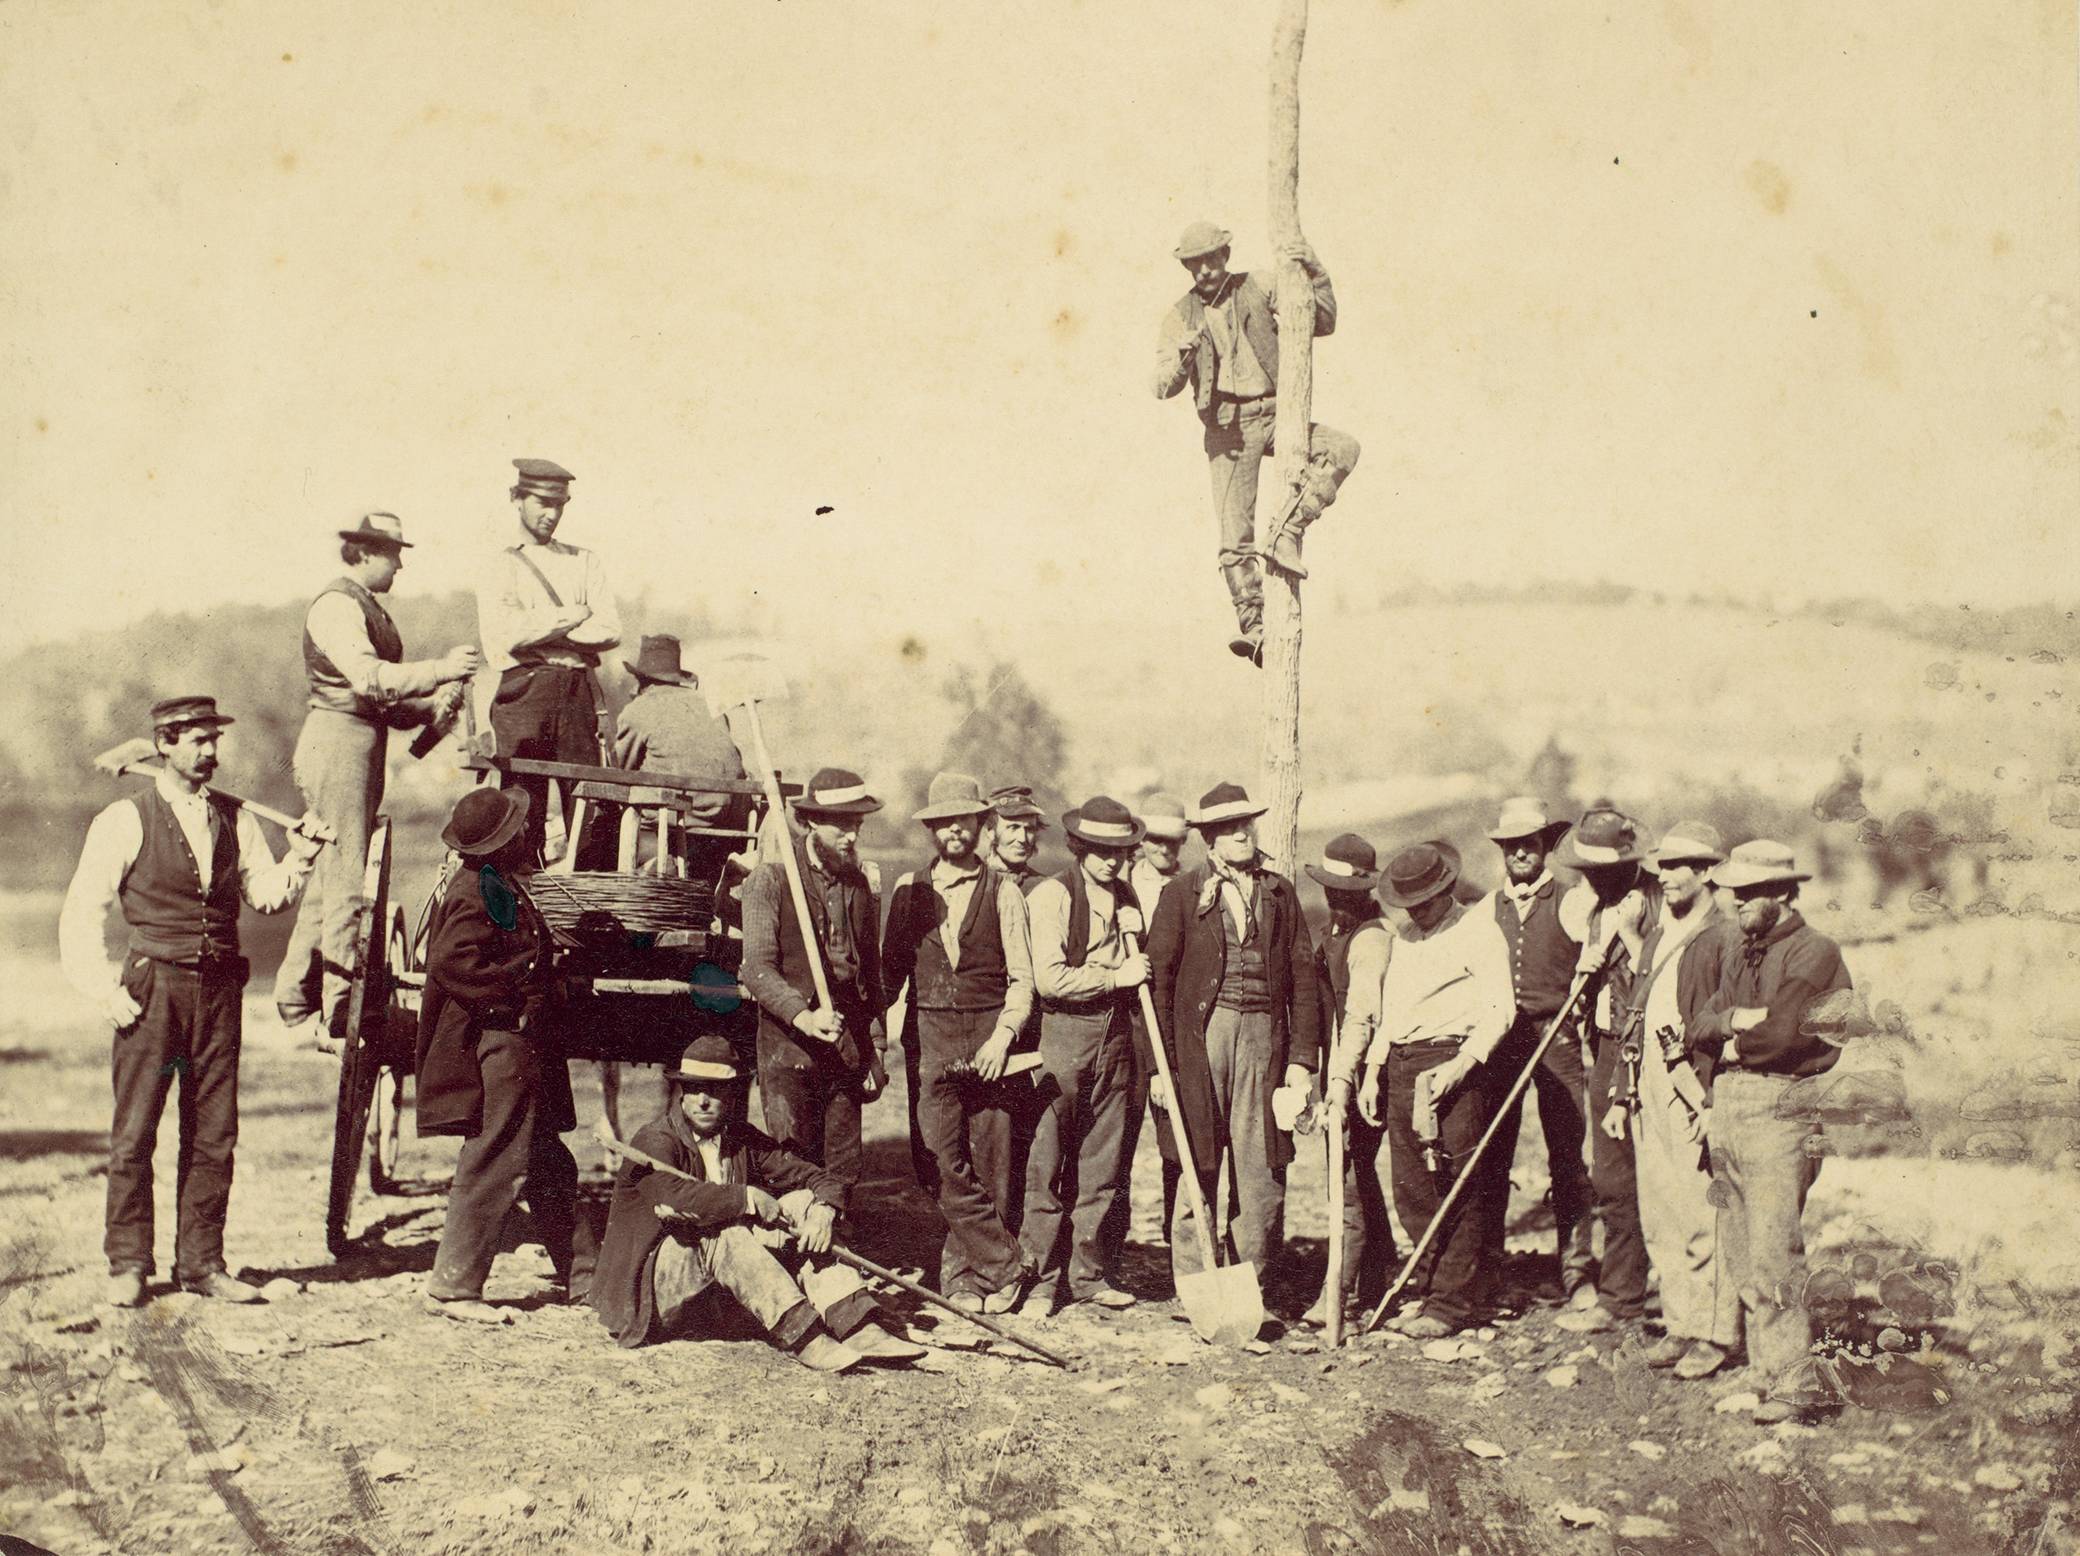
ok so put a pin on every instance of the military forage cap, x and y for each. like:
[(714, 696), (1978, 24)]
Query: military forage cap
[(1014, 802), (180, 712), (544, 477)]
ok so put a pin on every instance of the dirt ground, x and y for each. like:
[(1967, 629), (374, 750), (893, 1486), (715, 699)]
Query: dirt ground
[(339, 1418)]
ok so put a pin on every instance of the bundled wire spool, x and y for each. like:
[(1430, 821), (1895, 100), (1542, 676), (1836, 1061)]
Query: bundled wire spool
[(604, 908)]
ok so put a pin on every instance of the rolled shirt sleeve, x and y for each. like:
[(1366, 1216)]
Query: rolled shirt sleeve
[(602, 629), (1047, 911), (266, 883), (337, 626), (1174, 343), (1372, 953)]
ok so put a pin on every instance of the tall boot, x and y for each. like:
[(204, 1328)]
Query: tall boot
[(1246, 589), (1317, 489)]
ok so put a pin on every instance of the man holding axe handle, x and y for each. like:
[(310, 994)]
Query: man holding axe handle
[(361, 687), (181, 860)]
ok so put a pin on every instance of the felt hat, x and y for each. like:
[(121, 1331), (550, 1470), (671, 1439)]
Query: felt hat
[(180, 712), (1604, 836), (659, 661), (484, 820), (950, 795), (1688, 840), (1162, 815), (1348, 864), (708, 1057), (1014, 802), (1202, 238), (835, 792), (1762, 862), (1525, 816), (544, 478), (1418, 873), (1225, 802), (378, 529), (1102, 822)]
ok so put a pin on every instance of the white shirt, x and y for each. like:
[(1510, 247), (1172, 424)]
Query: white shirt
[(337, 625), (711, 1157), (113, 841), (1148, 883), (1449, 982), (513, 609)]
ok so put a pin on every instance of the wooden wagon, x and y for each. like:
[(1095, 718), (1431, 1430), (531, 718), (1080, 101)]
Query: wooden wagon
[(646, 958)]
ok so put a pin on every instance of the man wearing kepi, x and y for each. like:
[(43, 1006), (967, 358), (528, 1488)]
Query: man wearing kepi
[(671, 1244), (180, 861), (1086, 979), (546, 617), (1669, 1112), (817, 1067), (1766, 985), (1221, 337), (1542, 958), (1015, 827), (361, 687), (487, 1068), (1444, 1007), (1231, 967), (957, 935)]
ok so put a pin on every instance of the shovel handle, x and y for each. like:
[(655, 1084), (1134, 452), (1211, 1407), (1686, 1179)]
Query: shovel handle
[(1200, 1224), (794, 869)]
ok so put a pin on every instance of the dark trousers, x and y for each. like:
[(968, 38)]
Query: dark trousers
[(513, 1156), (1457, 1276), (1370, 1260), (813, 1109), (1119, 1220), (1563, 1118), (188, 1030), (547, 713), (1073, 1172), (1621, 1278), (966, 1122), (922, 1165)]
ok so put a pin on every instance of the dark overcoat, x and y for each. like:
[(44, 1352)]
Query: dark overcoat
[(1187, 955)]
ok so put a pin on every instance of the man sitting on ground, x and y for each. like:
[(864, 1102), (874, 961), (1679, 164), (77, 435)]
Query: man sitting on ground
[(670, 1243)]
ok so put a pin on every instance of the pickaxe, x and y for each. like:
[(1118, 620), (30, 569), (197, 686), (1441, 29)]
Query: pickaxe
[(137, 757)]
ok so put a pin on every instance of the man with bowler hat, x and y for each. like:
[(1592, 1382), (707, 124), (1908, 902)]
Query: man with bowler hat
[(667, 728), (180, 860), (1352, 960), (1444, 1007), (489, 1069), (1086, 978), (956, 934), (546, 617), (1542, 958), (817, 1067), (361, 688), (1232, 972), (1221, 337)]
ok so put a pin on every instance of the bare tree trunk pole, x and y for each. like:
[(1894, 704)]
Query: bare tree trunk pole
[(1280, 834)]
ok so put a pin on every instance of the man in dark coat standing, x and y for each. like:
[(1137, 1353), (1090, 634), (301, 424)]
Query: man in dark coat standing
[(487, 1070), (1231, 966), (818, 1067)]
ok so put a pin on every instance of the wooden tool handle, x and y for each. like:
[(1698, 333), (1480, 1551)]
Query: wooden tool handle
[(286, 822), (1200, 1224), (794, 869)]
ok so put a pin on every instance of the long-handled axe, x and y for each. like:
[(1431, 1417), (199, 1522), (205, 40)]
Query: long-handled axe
[(603, 1132), (137, 757)]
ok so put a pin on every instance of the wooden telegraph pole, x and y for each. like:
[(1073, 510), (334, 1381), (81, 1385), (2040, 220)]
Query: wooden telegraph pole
[(1280, 835)]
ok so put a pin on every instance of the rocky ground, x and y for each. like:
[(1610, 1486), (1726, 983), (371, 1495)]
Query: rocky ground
[(339, 1418)]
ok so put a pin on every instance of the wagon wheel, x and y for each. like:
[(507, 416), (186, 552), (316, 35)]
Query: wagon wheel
[(368, 1014), (384, 1127)]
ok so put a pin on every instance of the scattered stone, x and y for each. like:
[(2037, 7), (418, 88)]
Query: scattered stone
[(1899, 1513), (1637, 1526), (1766, 1456), (280, 1289), (1288, 1395), (1738, 1404), (1403, 1500), (1576, 1517), (1484, 1335), (389, 1464), (1996, 1477), (1851, 1513), (1215, 1396), (1102, 1385), (1891, 1340), (1183, 1354), (1493, 1386), (1302, 1347), (1666, 1506), (1228, 1529), (1562, 1378), (1257, 1348), (1481, 1448), (1653, 1453), (2042, 1409), (1101, 1491)]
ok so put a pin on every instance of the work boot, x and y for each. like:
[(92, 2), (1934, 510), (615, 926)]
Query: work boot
[(126, 1288), (466, 1310), (876, 1344), (1594, 1319), (1249, 645), (1667, 1351), (1700, 1361), (1285, 549), (223, 1288), (1108, 1297), (822, 1353)]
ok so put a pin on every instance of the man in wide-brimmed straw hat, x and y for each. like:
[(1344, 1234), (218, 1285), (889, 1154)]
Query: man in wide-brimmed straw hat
[(667, 727), (1445, 1005), (547, 618), (818, 1067), (1668, 1114), (1755, 1006), (1352, 959), (489, 1069), (1086, 978), (1221, 337), (673, 1247), (956, 935), (180, 861), (1542, 957), (361, 688), (1233, 976)]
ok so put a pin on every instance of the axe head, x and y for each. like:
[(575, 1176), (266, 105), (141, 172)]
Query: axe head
[(740, 679), (128, 754)]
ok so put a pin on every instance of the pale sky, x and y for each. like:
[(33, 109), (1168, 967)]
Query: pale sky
[(1775, 298)]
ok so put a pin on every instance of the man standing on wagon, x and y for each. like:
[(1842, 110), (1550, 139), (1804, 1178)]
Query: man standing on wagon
[(818, 1066), (180, 861), (546, 617)]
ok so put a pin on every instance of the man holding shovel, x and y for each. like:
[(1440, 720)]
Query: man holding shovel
[(819, 1062), (957, 935), (180, 860)]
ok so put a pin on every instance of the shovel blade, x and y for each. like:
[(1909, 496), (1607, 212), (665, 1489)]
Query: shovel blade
[(1225, 1305)]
